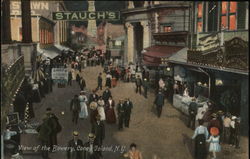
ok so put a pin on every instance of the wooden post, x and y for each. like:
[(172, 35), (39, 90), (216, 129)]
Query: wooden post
[(26, 21), (6, 29)]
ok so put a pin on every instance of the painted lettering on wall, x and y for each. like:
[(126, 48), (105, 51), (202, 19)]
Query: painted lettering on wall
[(15, 7)]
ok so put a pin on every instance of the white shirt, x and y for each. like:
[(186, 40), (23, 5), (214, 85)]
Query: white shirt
[(200, 130)]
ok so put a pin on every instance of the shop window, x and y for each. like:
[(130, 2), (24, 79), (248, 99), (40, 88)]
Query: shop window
[(167, 28)]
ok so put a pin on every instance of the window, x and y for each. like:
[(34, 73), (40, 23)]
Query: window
[(199, 17), (212, 16), (167, 29), (228, 15)]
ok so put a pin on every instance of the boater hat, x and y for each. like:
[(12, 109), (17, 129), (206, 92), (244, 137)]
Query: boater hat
[(75, 133), (91, 135)]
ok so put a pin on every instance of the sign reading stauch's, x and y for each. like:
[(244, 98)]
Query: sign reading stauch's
[(86, 15)]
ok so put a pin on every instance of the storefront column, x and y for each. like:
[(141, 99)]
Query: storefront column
[(26, 22), (130, 42), (146, 34), (130, 4), (6, 29)]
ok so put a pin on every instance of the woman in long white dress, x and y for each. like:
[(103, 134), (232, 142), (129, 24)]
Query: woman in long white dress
[(83, 114)]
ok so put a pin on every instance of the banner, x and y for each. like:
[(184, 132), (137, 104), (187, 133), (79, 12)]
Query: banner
[(60, 75), (86, 15)]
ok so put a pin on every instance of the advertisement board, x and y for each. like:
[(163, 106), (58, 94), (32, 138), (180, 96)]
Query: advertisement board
[(60, 75)]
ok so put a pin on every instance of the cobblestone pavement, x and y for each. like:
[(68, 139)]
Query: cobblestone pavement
[(158, 138)]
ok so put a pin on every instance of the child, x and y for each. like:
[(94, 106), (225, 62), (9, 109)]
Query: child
[(214, 141)]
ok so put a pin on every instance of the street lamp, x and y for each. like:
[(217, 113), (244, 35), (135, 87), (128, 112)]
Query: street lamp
[(72, 32)]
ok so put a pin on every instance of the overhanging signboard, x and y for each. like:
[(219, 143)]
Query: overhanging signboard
[(60, 75), (86, 15)]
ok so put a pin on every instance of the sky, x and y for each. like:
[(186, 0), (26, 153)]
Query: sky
[(99, 6)]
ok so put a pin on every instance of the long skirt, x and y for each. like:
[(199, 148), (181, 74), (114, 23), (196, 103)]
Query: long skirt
[(200, 147), (84, 110), (110, 116)]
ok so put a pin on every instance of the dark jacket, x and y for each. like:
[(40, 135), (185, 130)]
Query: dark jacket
[(106, 95), (128, 107), (75, 153), (120, 109), (99, 131), (75, 104), (138, 82), (92, 98), (159, 100), (70, 75), (87, 154), (192, 109), (44, 131), (99, 80)]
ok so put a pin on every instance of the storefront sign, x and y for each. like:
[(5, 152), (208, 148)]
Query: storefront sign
[(37, 7), (60, 75), (84, 16), (209, 42)]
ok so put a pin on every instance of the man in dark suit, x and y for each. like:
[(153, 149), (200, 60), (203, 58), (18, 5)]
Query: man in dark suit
[(192, 110), (55, 127), (82, 83), (75, 108), (106, 94), (128, 107), (90, 151), (159, 102), (98, 129), (93, 96), (121, 114), (99, 82), (75, 147), (138, 83), (145, 87)]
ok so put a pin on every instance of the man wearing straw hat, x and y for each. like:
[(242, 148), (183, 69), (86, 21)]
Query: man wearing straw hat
[(75, 147), (90, 148), (98, 129)]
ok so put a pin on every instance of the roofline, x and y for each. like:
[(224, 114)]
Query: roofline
[(210, 67)]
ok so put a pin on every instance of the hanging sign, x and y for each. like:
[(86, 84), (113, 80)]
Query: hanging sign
[(86, 15), (60, 75)]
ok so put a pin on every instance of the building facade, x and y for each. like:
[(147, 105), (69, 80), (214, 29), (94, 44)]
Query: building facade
[(148, 23), (217, 59)]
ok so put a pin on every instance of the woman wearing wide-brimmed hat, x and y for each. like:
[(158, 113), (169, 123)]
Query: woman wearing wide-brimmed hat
[(214, 141)]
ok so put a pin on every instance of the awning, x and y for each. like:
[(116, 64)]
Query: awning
[(51, 52), (153, 54), (180, 56), (63, 48), (161, 51)]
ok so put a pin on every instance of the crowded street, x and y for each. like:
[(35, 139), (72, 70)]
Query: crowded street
[(124, 79)]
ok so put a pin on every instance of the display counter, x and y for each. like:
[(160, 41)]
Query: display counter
[(182, 102)]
